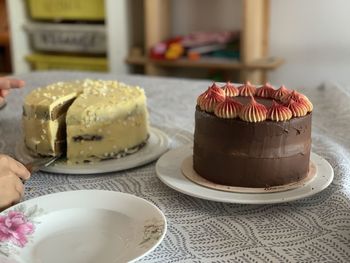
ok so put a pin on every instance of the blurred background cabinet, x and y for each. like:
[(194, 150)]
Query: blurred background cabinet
[(68, 35)]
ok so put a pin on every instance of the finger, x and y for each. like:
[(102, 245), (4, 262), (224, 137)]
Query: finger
[(11, 190), (4, 92), (18, 169), (18, 190), (17, 197), (5, 205), (20, 187), (16, 83), (7, 83)]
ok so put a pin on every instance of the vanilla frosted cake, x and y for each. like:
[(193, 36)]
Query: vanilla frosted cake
[(88, 120)]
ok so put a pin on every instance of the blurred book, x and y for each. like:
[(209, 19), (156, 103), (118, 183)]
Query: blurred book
[(196, 45)]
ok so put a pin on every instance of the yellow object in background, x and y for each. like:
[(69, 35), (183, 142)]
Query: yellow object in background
[(175, 50), (93, 10), (51, 62)]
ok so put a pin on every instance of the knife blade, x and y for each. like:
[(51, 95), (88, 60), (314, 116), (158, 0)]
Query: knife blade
[(37, 164)]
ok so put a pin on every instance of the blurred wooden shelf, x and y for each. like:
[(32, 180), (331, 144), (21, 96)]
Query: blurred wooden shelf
[(5, 63), (4, 38), (217, 63), (254, 62)]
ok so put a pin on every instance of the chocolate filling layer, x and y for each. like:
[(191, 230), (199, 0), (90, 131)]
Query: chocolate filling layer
[(87, 137)]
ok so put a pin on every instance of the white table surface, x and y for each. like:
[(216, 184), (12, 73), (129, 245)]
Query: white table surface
[(314, 229)]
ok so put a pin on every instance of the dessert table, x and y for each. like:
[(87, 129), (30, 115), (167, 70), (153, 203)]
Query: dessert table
[(313, 229)]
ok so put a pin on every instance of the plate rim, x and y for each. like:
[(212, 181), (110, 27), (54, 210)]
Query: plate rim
[(90, 169), (154, 210), (188, 171), (238, 198)]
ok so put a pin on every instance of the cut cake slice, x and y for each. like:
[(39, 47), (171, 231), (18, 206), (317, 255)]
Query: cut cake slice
[(44, 114)]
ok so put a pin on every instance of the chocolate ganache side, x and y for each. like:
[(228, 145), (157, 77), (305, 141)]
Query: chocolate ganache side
[(252, 150)]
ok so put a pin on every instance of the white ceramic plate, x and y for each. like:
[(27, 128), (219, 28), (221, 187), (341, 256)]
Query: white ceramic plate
[(168, 169), (81, 226), (157, 144)]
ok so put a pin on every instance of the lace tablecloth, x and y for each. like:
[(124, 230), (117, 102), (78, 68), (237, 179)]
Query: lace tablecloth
[(314, 229)]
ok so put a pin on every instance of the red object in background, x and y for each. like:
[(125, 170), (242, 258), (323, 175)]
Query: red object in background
[(160, 50), (194, 45)]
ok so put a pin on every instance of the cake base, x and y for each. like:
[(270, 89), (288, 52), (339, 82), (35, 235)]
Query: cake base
[(156, 145), (117, 155), (191, 174), (93, 159)]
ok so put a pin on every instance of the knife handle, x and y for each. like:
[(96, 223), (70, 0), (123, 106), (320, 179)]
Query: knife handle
[(30, 167)]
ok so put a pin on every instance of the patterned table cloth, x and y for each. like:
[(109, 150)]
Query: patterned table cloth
[(313, 229)]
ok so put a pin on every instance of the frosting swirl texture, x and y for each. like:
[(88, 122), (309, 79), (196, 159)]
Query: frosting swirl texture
[(230, 90), (208, 100), (253, 111), (278, 112), (297, 108), (247, 89), (227, 109), (280, 93), (266, 91)]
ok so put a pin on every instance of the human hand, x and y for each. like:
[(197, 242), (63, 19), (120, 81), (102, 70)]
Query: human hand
[(6, 84), (11, 186)]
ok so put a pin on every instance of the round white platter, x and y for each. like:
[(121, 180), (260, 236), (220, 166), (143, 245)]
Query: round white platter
[(81, 226), (168, 169), (156, 145)]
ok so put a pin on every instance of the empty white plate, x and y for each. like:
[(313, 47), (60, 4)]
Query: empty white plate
[(81, 226)]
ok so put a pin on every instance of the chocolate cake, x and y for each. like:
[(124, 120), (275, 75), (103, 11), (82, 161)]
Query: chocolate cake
[(252, 137)]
